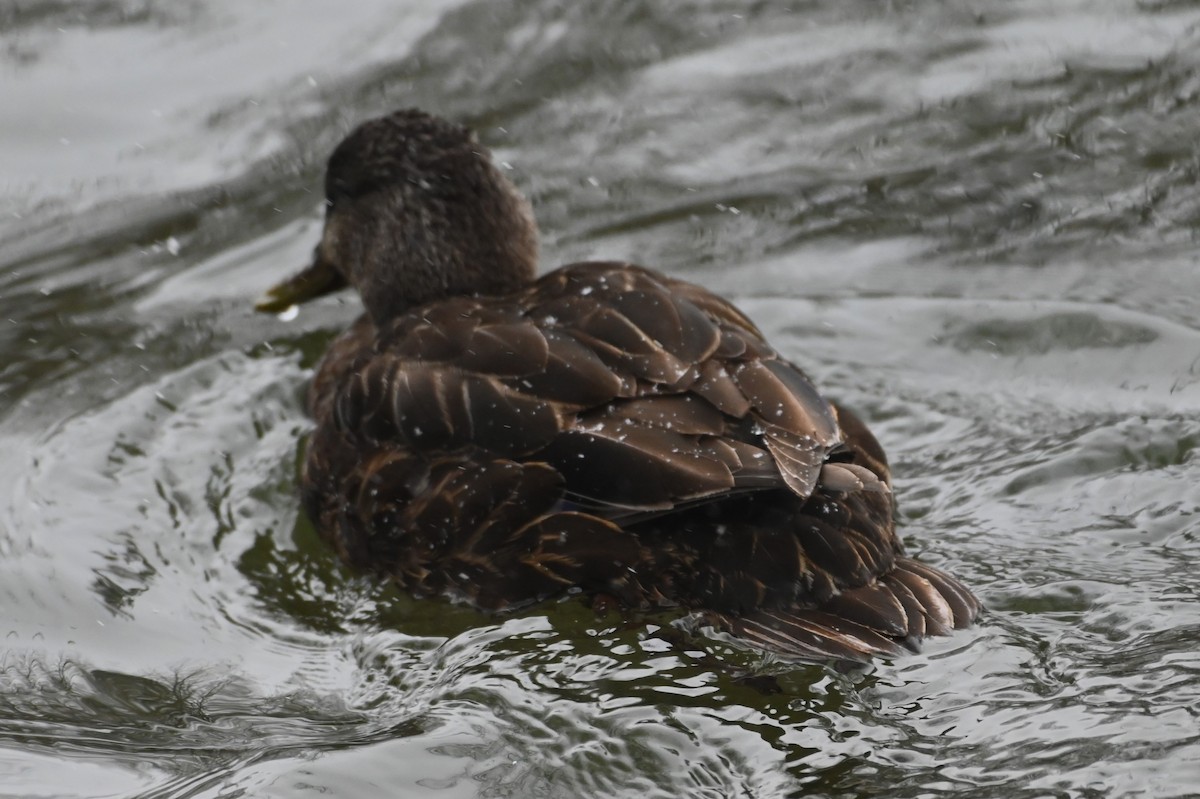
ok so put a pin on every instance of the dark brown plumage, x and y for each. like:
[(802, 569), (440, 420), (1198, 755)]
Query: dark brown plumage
[(497, 438)]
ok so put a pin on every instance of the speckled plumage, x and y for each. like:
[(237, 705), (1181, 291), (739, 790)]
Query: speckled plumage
[(497, 438)]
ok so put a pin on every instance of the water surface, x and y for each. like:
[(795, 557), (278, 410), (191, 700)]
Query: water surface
[(975, 223)]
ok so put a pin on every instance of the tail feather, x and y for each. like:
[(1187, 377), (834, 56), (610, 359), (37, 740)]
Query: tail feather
[(874, 606), (808, 635), (919, 624), (964, 607), (885, 617), (939, 616)]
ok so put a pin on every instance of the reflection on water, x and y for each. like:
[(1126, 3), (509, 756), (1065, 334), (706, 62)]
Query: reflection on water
[(973, 224)]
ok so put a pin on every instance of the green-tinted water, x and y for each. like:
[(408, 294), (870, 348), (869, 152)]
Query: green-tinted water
[(976, 223)]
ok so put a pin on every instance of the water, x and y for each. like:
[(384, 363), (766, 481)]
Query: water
[(975, 223)]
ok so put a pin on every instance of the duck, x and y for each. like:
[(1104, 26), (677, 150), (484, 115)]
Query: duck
[(495, 437)]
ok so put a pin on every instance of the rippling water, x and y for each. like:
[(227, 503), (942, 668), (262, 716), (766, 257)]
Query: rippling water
[(975, 222)]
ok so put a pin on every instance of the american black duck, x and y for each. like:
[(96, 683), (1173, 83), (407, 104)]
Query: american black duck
[(501, 438)]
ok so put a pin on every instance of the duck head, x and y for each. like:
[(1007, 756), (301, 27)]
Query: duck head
[(415, 211)]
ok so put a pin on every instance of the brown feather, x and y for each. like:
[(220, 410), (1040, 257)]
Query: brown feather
[(939, 617), (874, 606), (964, 607), (635, 467), (913, 611), (574, 374), (683, 413), (715, 385)]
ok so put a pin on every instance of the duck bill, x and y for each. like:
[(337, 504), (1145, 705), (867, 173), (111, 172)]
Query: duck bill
[(317, 280)]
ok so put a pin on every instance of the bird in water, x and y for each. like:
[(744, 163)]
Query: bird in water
[(500, 438)]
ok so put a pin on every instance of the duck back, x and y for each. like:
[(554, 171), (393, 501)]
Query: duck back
[(613, 430)]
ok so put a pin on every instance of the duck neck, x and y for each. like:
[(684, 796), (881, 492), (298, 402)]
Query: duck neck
[(422, 252)]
